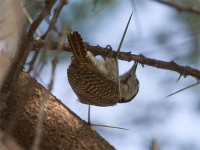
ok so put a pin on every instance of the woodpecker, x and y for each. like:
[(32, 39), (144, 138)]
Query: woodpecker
[(97, 82)]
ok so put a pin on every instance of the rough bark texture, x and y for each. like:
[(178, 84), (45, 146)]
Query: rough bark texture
[(61, 128)]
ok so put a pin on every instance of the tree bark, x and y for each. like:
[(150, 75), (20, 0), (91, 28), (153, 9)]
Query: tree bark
[(61, 128)]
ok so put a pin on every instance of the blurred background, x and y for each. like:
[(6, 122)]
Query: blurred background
[(157, 31)]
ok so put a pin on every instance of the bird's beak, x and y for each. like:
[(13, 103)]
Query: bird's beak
[(135, 66)]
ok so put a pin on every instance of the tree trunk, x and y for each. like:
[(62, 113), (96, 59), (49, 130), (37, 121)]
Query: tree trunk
[(60, 127)]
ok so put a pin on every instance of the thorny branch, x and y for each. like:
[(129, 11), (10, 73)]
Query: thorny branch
[(127, 56), (179, 7)]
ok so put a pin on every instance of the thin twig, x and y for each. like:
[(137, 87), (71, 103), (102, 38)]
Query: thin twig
[(55, 17), (30, 19), (183, 89), (118, 50), (41, 63), (179, 7), (45, 12), (56, 58), (107, 126), (31, 63)]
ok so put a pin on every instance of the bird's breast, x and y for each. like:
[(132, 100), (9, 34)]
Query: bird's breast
[(91, 87)]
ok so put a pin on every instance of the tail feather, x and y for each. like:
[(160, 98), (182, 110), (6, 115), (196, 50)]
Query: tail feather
[(77, 45)]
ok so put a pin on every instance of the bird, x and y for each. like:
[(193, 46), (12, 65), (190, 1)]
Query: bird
[(97, 82)]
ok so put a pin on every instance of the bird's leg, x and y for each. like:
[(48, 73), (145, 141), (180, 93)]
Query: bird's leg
[(109, 52), (89, 115)]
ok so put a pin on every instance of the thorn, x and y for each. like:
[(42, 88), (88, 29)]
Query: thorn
[(183, 89), (107, 126), (87, 45), (118, 50), (179, 78), (142, 65), (141, 55), (173, 62), (124, 33)]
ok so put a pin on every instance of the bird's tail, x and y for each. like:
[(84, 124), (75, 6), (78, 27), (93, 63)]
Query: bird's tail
[(77, 46)]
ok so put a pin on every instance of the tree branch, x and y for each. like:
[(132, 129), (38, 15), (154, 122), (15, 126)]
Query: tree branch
[(179, 7), (45, 12), (60, 128), (127, 56), (55, 17)]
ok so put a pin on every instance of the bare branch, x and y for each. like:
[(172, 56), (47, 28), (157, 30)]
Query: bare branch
[(29, 18), (31, 63), (179, 7), (45, 12), (56, 58), (127, 56), (55, 17)]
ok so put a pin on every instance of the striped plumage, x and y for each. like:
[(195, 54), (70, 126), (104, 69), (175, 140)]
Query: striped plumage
[(94, 81)]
